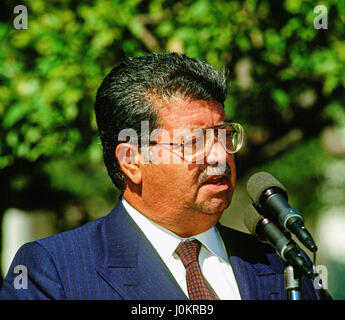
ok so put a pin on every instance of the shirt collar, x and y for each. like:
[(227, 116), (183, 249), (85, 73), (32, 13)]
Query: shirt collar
[(212, 240), (165, 241)]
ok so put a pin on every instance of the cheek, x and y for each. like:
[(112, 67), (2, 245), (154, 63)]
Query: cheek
[(233, 171), (179, 182), (181, 177), (165, 179)]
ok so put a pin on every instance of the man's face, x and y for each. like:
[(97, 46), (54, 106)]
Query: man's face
[(183, 197)]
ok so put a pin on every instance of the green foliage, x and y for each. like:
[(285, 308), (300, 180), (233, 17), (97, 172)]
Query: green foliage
[(302, 170), (283, 74)]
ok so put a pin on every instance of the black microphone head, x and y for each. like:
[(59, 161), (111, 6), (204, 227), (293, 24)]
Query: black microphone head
[(259, 182), (251, 219)]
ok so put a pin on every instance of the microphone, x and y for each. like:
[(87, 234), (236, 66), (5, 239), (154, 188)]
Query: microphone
[(270, 196), (266, 231)]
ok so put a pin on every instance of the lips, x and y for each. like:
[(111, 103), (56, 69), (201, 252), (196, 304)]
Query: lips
[(216, 180)]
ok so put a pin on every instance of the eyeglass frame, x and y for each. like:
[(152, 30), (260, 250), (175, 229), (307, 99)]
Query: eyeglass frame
[(241, 132)]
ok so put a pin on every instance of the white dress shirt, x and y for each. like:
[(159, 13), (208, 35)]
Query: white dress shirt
[(213, 259)]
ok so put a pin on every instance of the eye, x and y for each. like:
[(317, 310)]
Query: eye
[(193, 142)]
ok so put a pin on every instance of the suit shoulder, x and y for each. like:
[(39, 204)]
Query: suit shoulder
[(75, 237), (242, 240)]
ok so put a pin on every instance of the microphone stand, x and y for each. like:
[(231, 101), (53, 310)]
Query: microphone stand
[(292, 283)]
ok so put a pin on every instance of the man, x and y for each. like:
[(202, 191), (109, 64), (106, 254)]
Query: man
[(168, 147)]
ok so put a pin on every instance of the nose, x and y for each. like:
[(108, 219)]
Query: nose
[(217, 154)]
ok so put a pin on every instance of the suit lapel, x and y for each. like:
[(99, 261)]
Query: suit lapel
[(258, 274), (132, 266)]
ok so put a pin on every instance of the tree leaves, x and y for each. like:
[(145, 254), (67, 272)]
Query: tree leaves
[(284, 75)]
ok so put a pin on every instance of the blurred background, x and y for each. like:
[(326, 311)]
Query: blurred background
[(285, 64)]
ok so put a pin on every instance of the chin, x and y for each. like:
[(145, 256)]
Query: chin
[(216, 203), (215, 206)]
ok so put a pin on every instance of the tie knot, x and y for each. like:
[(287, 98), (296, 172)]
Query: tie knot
[(188, 251)]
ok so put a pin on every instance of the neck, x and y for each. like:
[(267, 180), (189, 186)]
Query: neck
[(185, 222)]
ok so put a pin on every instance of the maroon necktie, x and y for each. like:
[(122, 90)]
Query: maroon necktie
[(197, 285)]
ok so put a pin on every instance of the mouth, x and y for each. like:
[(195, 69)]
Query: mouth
[(219, 182)]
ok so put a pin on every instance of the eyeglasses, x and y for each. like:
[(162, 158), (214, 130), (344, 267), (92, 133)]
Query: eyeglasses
[(197, 143)]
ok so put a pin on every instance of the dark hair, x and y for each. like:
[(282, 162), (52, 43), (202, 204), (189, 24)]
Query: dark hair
[(127, 95)]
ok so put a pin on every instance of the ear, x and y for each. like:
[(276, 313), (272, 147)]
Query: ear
[(128, 157)]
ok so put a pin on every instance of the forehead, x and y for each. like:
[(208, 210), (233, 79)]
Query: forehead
[(191, 113)]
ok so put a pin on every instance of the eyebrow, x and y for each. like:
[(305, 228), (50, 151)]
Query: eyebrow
[(217, 125)]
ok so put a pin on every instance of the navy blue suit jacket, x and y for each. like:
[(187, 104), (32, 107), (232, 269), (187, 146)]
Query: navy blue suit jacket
[(110, 258)]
